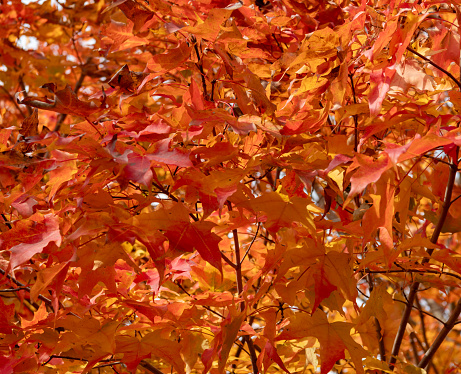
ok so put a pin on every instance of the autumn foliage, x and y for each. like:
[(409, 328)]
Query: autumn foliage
[(230, 187)]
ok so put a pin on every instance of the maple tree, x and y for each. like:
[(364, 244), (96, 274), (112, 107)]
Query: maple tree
[(207, 186)]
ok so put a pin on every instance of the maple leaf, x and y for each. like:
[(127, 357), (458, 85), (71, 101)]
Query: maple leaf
[(170, 59), (164, 154), (122, 36), (135, 12), (281, 210), (127, 80), (209, 28), (30, 237), (334, 338), (196, 235), (6, 317), (65, 101), (369, 170), (314, 148), (183, 235)]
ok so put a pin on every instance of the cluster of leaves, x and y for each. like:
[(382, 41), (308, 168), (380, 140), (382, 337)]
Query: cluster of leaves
[(206, 186)]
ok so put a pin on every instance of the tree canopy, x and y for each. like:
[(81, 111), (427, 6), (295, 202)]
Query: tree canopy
[(230, 187)]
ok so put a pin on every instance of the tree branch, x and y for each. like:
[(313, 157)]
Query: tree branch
[(26, 288), (149, 367), (441, 336), (238, 275), (429, 271), (434, 239)]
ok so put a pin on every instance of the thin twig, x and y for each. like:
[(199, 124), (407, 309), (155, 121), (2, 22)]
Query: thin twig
[(254, 239), (199, 65), (356, 123), (41, 297), (420, 310), (457, 82), (423, 324), (172, 197), (206, 307), (108, 364), (278, 44), (149, 367), (7, 223), (14, 101), (406, 303), (23, 88), (384, 272), (14, 289)]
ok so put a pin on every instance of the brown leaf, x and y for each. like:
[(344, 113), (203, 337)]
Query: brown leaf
[(126, 80), (65, 101)]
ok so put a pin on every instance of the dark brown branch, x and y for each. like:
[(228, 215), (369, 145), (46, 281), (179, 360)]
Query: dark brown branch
[(24, 287), (239, 279), (41, 297), (7, 223), (423, 324), (149, 367), (356, 125), (441, 336), (254, 359), (278, 44), (424, 348), (199, 65), (445, 206), (228, 261), (415, 285), (213, 83)]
